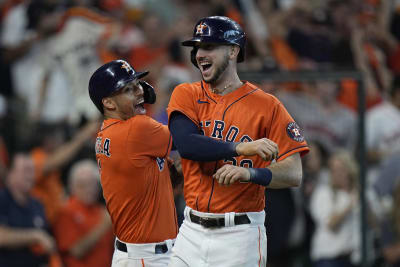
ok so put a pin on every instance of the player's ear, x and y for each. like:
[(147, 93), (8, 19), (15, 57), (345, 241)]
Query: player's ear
[(234, 51), (108, 103)]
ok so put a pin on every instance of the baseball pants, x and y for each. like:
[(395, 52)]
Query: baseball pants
[(142, 255), (243, 245)]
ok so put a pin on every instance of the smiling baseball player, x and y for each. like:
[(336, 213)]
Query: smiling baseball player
[(228, 132), (131, 151)]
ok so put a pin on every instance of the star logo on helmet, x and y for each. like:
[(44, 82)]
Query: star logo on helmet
[(200, 28), (126, 66)]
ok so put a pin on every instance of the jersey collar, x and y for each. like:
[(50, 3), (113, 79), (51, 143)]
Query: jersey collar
[(239, 92)]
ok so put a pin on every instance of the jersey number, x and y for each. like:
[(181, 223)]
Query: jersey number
[(246, 163)]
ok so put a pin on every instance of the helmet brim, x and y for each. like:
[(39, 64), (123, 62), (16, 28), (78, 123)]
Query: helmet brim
[(139, 75)]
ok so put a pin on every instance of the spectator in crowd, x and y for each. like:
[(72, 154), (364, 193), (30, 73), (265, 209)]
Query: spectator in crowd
[(368, 41), (79, 48), (152, 54), (49, 157), (44, 57), (25, 30), (335, 241), (83, 228), (385, 184), (383, 126), (24, 237), (390, 228), (323, 118)]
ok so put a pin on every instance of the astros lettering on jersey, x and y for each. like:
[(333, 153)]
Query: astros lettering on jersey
[(244, 115)]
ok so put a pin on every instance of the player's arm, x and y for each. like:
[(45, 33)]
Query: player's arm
[(285, 173), (192, 145)]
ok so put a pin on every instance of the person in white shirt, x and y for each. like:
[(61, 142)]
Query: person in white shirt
[(383, 126), (334, 209)]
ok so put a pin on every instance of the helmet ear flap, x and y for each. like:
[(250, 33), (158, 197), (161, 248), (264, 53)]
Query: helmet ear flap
[(240, 57), (193, 56), (149, 94)]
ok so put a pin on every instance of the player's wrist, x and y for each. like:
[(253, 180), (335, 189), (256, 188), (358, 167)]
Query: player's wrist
[(235, 148), (260, 176), (247, 174), (239, 148)]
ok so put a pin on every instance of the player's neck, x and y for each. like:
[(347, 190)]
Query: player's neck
[(226, 86), (112, 115)]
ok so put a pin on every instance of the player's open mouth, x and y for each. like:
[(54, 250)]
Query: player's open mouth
[(140, 109), (205, 66)]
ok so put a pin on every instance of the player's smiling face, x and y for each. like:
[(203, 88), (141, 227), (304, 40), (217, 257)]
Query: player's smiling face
[(129, 100), (212, 59)]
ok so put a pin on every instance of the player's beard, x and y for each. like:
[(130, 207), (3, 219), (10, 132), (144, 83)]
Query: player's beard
[(219, 70)]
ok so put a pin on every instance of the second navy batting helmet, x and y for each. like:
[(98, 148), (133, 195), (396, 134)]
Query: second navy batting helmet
[(217, 30), (111, 77)]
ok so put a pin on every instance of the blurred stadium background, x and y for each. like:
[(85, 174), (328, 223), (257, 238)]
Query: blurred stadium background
[(335, 65)]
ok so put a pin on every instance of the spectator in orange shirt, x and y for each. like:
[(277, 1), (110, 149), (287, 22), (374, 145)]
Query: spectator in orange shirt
[(49, 158), (83, 228)]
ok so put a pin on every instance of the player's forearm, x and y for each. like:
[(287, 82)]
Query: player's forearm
[(194, 146), (286, 173)]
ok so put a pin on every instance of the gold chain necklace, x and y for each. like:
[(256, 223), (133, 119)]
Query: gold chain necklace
[(215, 90)]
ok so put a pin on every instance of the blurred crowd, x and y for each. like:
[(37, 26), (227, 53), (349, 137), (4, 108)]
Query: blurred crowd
[(49, 49)]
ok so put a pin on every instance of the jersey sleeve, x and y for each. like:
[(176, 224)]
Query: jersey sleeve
[(286, 133), (182, 100), (149, 137)]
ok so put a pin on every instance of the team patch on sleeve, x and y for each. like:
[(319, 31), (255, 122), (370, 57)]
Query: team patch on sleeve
[(294, 132)]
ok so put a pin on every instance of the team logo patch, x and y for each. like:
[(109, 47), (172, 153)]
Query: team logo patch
[(200, 28), (293, 130), (126, 66)]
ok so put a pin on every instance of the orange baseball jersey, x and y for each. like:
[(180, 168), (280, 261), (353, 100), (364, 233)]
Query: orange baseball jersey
[(135, 179), (244, 115)]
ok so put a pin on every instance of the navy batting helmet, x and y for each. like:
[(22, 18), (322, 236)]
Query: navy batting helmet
[(109, 78), (217, 30)]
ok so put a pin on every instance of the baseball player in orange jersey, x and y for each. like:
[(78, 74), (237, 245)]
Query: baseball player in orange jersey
[(234, 140), (131, 151)]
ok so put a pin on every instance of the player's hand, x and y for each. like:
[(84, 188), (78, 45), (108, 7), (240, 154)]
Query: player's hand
[(229, 174), (265, 148), (175, 171)]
